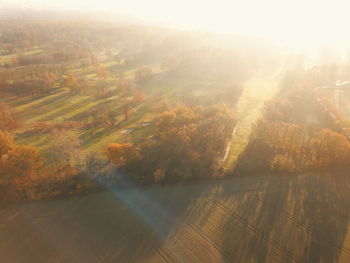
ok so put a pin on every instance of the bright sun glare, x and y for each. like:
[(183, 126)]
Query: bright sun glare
[(296, 23)]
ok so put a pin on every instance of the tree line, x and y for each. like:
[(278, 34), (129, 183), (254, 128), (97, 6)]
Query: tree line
[(189, 143), (301, 130)]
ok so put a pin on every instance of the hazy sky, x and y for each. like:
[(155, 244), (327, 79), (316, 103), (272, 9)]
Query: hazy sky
[(290, 21)]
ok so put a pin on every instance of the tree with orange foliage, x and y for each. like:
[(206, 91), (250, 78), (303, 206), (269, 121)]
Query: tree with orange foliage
[(188, 142), (159, 175), (7, 119), (41, 127), (139, 96), (24, 161), (330, 149), (125, 85), (6, 143), (14, 62), (121, 153), (51, 78), (290, 148), (101, 72), (65, 146), (72, 83), (102, 88)]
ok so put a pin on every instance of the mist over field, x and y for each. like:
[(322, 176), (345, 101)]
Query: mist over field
[(163, 131)]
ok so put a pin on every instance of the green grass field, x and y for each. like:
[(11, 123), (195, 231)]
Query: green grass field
[(255, 219), (62, 105), (249, 109)]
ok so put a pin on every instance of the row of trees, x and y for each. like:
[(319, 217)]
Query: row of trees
[(31, 80), (25, 60), (31, 87), (68, 38), (300, 130), (26, 175), (18, 160), (290, 148), (8, 120), (188, 143)]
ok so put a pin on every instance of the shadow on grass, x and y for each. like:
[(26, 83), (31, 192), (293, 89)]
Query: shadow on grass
[(100, 104), (67, 109), (92, 136), (22, 101), (160, 211), (44, 106)]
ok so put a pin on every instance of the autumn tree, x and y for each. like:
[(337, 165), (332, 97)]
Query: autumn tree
[(41, 127), (125, 84), (121, 153), (65, 146), (290, 148), (6, 143), (101, 72), (7, 118), (72, 83), (188, 143), (330, 150), (31, 87), (24, 161), (103, 89), (139, 96)]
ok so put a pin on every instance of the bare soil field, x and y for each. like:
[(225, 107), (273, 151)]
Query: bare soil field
[(253, 219)]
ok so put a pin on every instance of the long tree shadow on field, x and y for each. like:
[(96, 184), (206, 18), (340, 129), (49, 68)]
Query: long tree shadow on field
[(326, 210), (67, 109), (251, 219), (114, 226), (44, 99), (148, 217), (47, 104), (22, 101), (93, 136), (301, 219)]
